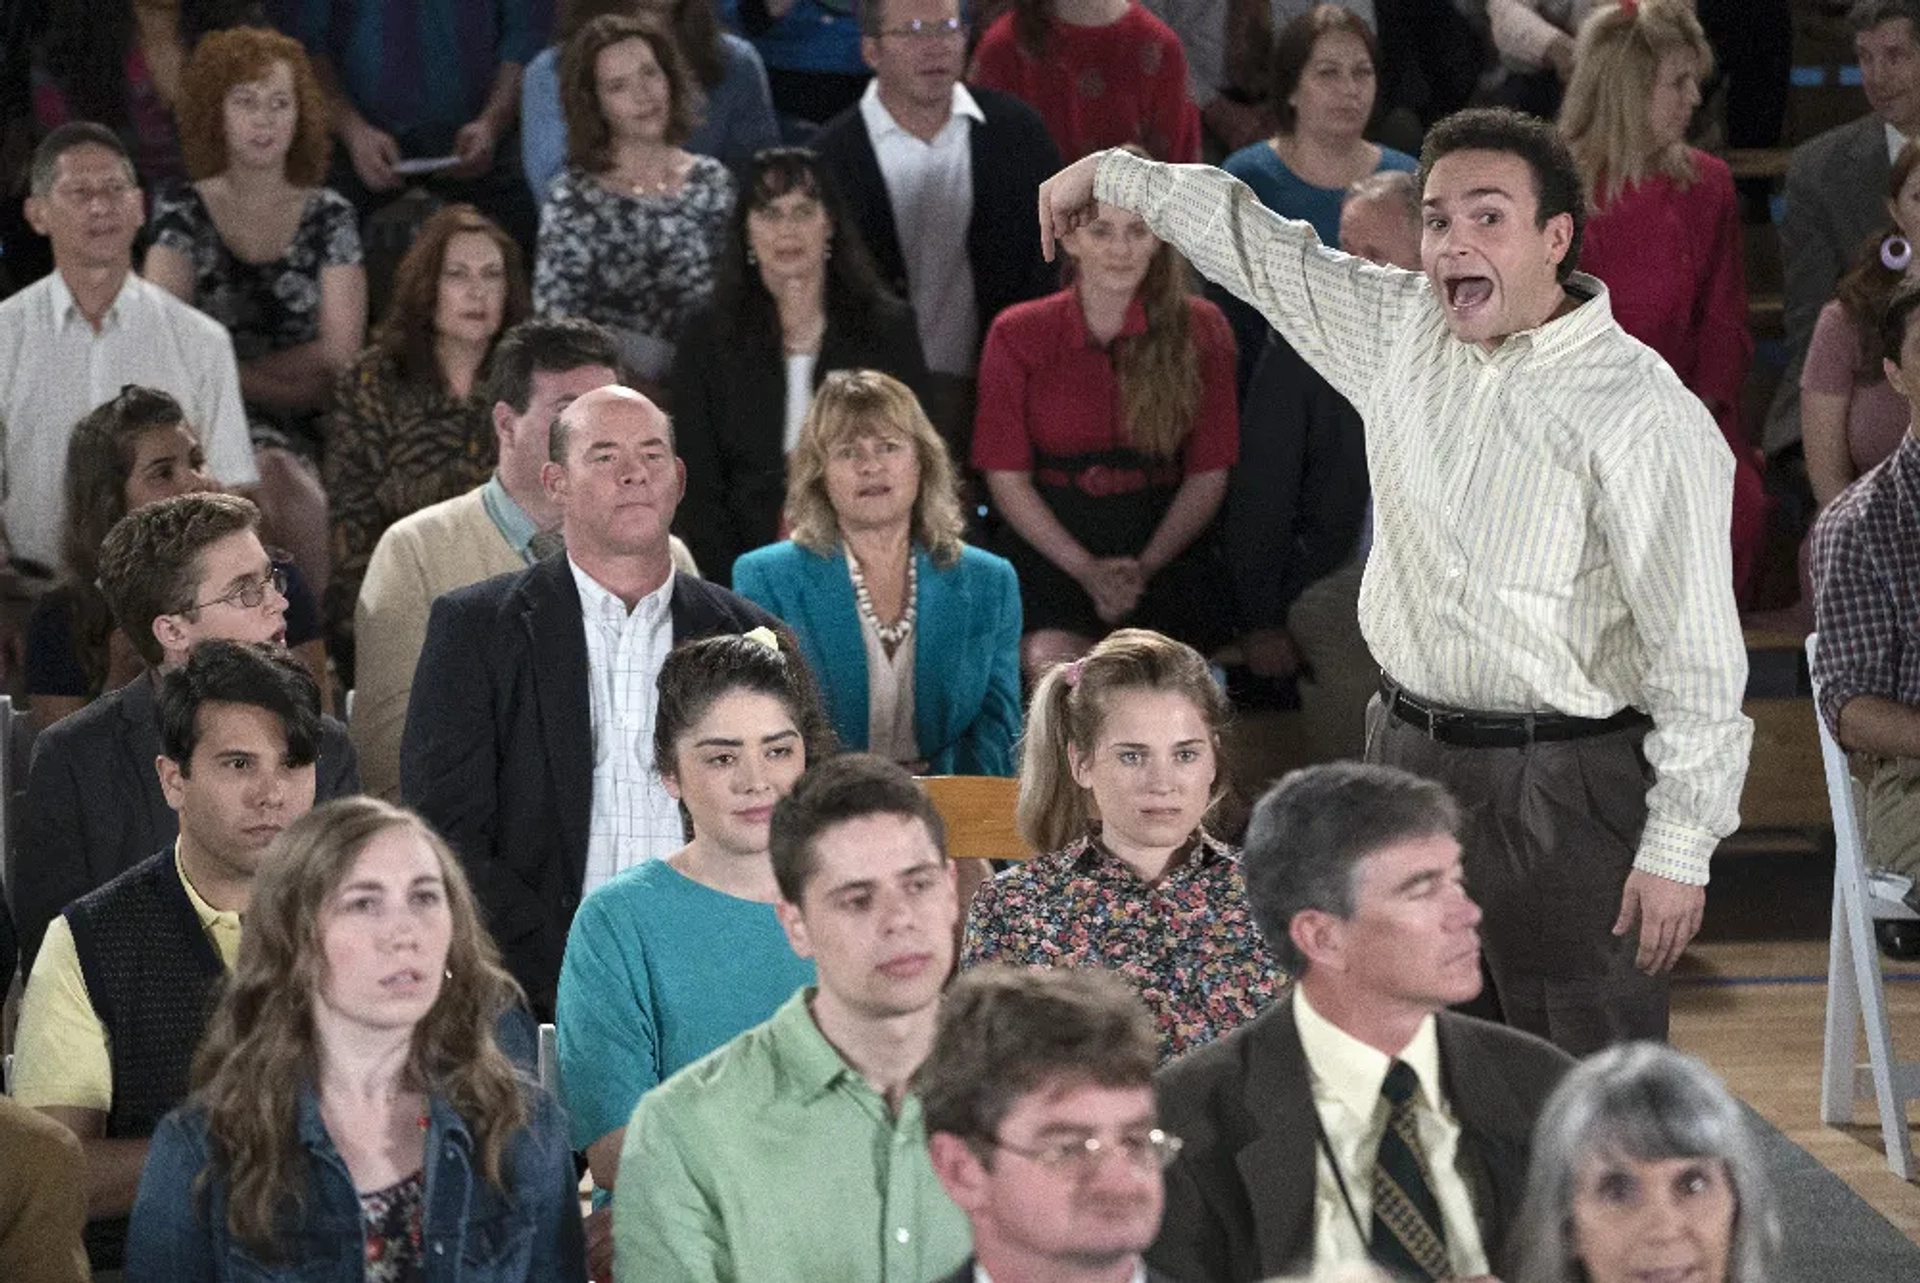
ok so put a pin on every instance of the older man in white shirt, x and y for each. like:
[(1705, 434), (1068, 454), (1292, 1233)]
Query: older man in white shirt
[(1549, 592), (73, 339)]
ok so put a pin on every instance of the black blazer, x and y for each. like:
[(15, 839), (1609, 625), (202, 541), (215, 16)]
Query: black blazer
[(1240, 1198), (1012, 155), (729, 413), (1299, 492), (498, 748), (94, 808)]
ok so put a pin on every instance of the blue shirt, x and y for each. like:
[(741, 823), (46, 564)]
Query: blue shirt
[(814, 35), (1288, 195), (659, 971), (735, 121), (410, 65)]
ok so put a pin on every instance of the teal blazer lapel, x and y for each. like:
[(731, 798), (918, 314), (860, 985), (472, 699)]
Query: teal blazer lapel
[(832, 624), (941, 628)]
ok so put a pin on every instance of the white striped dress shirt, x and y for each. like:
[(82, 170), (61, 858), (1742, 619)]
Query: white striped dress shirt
[(633, 817), (1551, 522)]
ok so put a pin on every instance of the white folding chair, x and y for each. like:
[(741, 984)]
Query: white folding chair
[(346, 709), (550, 1060), (1855, 989)]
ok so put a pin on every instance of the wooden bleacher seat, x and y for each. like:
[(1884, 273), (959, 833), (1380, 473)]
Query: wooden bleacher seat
[(978, 813)]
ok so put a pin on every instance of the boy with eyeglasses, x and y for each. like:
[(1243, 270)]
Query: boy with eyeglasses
[(1042, 1125), (174, 573)]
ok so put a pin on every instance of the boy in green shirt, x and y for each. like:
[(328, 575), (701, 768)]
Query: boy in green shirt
[(795, 1152)]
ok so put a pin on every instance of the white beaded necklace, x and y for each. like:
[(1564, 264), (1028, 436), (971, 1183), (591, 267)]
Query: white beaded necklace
[(891, 635)]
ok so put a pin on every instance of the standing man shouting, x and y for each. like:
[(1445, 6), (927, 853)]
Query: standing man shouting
[(1549, 591)]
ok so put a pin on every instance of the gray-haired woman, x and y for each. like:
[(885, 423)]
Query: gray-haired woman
[(1643, 1164)]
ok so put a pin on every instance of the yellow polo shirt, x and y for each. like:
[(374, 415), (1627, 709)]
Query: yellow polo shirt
[(60, 1055)]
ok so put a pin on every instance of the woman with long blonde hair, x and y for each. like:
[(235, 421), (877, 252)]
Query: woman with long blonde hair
[(915, 636), (1120, 768), (1106, 424), (353, 1115), (1663, 228)]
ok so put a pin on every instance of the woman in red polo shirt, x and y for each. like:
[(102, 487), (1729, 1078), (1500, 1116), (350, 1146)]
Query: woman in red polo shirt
[(1105, 428)]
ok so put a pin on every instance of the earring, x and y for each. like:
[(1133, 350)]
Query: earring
[(449, 974), (753, 259), (1896, 252)]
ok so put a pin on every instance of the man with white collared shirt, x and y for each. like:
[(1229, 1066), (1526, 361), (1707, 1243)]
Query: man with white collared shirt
[(1550, 587), (1361, 1120), (940, 180), (529, 734), (1836, 188), (74, 338)]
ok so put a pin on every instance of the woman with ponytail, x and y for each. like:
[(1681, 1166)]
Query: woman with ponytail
[(1119, 769), (1106, 424)]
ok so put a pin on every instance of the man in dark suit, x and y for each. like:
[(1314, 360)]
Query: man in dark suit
[(529, 730), (1360, 1120), (174, 573), (941, 179), (1836, 189), (1038, 1099)]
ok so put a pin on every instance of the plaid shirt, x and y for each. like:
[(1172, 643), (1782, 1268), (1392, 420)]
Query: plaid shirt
[(1866, 588)]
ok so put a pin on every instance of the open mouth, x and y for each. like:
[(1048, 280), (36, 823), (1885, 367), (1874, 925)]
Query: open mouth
[(1467, 292), (875, 492), (403, 980)]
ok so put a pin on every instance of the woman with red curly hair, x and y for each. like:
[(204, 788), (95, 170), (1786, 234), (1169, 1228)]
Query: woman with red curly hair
[(256, 243)]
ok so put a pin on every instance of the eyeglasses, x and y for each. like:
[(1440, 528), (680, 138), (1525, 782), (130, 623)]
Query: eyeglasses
[(932, 29), (82, 195), (1146, 1151), (249, 595)]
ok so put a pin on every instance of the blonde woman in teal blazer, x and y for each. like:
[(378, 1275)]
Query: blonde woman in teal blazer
[(876, 566)]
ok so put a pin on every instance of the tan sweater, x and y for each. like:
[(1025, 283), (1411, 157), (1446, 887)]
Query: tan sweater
[(435, 550)]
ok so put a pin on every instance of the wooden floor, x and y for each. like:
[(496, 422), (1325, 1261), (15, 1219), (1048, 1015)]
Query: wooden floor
[(1755, 1011)]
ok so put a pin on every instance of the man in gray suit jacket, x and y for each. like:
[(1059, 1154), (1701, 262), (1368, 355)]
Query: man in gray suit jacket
[(175, 573), (1836, 191), (1302, 1128)]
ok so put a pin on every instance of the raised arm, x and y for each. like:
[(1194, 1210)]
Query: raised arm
[(1341, 313)]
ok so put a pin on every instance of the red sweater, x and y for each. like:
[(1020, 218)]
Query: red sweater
[(1672, 265), (1099, 87)]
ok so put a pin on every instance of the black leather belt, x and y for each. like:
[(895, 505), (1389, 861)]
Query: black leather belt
[(1469, 729)]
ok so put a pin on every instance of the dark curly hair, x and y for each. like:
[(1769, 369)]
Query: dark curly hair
[(1557, 186), (234, 57)]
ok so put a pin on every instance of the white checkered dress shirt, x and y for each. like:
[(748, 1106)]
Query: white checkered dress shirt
[(1551, 519), (633, 818)]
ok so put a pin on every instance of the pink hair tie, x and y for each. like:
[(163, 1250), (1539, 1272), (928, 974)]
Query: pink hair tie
[(1072, 674), (1630, 7)]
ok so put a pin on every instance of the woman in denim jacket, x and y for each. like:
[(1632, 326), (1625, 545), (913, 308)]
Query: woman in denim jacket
[(353, 1117)]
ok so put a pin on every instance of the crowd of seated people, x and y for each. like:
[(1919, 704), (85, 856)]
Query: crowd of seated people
[(943, 507)]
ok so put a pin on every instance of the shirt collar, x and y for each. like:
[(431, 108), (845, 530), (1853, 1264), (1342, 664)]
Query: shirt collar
[(64, 310), (509, 518), (210, 917), (597, 602), (804, 1052), (1895, 141), (1077, 335), (1351, 1072), (881, 124), (1199, 852), (1593, 314)]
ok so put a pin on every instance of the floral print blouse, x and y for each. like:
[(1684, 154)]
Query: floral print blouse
[(639, 265), (393, 1217), (1187, 942)]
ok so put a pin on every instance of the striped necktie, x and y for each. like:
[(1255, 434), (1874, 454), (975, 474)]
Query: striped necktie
[(1408, 1237)]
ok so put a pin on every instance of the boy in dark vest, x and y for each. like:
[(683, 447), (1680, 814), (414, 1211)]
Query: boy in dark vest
[(122, 986)]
